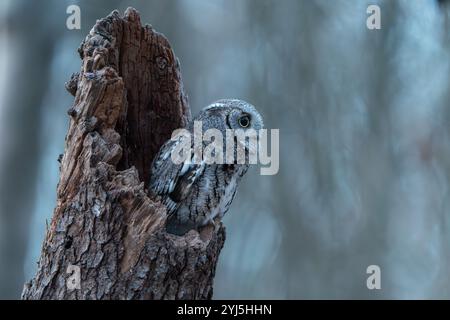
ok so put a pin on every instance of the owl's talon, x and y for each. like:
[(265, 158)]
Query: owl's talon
[(215, 223)]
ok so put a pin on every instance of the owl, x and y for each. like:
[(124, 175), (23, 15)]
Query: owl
[(197, 192)]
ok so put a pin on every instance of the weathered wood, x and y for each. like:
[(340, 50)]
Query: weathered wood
[(128, 99)]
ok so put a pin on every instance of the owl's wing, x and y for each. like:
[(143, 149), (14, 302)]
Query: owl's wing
[(170, 179)]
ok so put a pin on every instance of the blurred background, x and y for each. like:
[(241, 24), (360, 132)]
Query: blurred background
[(364, 130)]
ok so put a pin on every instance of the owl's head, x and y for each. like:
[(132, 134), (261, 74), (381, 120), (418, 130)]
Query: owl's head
[(234, 114)]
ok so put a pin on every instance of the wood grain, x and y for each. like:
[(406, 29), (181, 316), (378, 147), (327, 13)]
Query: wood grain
[(128, 99)]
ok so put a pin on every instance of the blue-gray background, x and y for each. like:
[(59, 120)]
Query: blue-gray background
[(364, 125)]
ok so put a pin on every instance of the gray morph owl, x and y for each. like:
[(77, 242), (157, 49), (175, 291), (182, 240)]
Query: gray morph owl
[(196, 193)]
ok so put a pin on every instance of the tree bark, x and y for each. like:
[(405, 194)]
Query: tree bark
[(128, 99)]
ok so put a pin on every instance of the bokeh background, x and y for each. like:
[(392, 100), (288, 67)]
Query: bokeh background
[(364, 126)]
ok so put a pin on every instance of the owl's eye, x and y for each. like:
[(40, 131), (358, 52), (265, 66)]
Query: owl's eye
[(244, 121)]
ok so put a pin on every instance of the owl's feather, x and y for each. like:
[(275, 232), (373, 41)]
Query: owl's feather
[(194, 192), (173, 180)]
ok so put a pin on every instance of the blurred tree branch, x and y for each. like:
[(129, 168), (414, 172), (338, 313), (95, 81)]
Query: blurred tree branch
[(128, 99), (27, 82)]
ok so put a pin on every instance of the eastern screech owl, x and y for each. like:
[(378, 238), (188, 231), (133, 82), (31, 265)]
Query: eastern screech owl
[(194, 192)]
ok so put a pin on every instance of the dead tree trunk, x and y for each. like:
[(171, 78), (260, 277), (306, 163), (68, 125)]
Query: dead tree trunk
[(128, 99)]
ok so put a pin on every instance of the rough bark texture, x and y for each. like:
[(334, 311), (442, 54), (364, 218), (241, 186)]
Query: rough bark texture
[(128, 99)]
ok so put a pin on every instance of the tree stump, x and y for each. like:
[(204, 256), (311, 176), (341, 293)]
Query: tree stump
[(128, 99)]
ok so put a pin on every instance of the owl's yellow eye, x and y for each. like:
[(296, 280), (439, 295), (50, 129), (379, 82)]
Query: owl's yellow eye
[(244, 121)]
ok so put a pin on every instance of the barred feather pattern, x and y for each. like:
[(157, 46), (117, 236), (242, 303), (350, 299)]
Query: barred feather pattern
[(195, 194)]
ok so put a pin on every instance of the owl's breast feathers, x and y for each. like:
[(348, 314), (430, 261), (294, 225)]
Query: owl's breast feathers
[(194, 194)]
